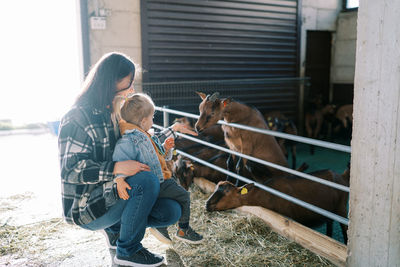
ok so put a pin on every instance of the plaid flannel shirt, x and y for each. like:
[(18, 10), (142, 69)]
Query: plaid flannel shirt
[(86, 142)]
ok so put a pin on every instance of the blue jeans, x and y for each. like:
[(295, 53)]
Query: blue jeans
[(143, 209)]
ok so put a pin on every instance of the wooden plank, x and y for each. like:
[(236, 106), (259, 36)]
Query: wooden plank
[(314, 241)]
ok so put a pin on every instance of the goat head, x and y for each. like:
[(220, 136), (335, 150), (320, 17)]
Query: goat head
[(227, 196), (210, 111), (184, 171)]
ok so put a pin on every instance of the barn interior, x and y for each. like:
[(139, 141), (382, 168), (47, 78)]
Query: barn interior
[(296, 57)]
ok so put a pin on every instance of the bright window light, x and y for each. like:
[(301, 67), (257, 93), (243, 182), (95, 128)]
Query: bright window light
[(352, 4), (40, 63)]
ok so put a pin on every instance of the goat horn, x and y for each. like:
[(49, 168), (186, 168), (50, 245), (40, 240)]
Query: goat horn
[(214, 96)]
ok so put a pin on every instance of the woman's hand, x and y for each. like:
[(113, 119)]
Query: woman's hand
[(183, 128), (122, 187), (129, 167), (169, 143)]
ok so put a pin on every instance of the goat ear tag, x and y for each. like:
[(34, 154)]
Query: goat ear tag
[(174, 152), (244, 191)]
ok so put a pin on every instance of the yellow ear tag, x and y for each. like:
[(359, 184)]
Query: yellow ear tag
[(174, 152), (244, 191)]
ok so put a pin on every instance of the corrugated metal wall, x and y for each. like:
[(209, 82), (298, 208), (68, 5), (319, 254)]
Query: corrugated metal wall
[(185, 40), (265, 94), (199, 40)]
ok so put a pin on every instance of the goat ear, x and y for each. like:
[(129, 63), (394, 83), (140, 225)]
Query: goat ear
[(245, 189), (202, 95), (226, 101)]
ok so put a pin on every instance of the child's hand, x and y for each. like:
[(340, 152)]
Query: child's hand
[(169, 143), (122, 187)]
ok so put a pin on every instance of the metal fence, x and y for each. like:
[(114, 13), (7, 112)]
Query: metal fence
[(328, 214)]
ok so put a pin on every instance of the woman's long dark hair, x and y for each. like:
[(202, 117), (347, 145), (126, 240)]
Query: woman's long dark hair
[(99, 87)]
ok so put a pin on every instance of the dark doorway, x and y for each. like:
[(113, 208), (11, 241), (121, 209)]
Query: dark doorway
[(318, 63), (343, 93)]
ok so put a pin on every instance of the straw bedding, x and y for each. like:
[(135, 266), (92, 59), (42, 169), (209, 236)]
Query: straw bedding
[(233, 239)]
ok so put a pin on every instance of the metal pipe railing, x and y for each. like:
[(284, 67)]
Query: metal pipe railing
[(301, 139), (165, 117), (273, 165)]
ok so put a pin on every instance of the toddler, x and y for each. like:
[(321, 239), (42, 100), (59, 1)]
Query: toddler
[(136, 144)]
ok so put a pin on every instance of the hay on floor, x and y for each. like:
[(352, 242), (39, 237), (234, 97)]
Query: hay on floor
[(233, 239)]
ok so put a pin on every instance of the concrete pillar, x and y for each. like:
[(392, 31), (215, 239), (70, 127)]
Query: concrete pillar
[(374, 230)]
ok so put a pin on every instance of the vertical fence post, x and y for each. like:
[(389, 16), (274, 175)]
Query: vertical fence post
[(374, 228), (165, 117), (303, 88)]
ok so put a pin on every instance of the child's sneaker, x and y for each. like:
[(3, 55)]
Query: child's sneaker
[(189, 235), (161, 234)]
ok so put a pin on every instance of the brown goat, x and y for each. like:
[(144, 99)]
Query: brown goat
[(250, 143), (345, 115), (276, 121), (227, 196), (314, 120), (185, 170)]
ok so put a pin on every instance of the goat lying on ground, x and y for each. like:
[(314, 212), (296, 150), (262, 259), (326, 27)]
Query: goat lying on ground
[(314, 120), (276, 121), (227, 196), (250, 143)]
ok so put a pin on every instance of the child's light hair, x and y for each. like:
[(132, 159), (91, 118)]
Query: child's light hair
[(136, 108), (117, 105)]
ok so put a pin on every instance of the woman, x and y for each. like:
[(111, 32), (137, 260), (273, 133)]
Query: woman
[(86, 142)]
